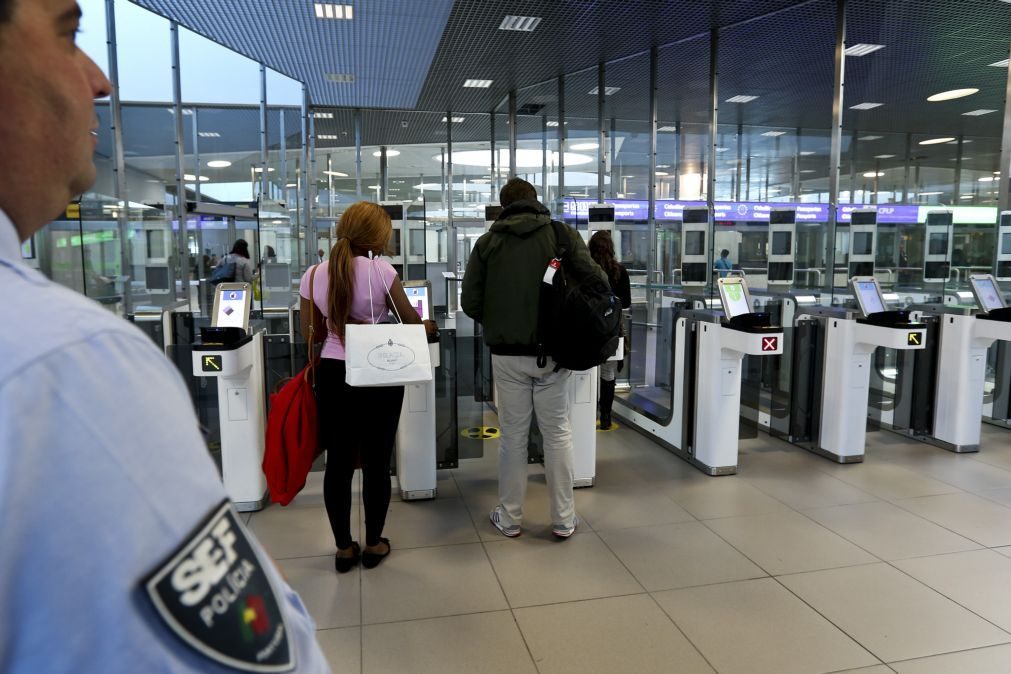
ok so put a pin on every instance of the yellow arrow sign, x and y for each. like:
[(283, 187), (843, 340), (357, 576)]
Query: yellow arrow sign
[(211, 364), (913, 339)]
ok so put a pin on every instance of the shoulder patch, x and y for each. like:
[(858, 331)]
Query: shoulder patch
[(214, 595)]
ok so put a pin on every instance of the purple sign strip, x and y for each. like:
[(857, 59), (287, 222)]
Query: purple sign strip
[(744, 211)]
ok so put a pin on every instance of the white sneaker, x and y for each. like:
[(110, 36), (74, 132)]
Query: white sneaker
[(562, 531), (497, 516)]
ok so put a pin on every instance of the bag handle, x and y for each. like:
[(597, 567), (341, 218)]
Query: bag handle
[(372, 261), (312, 327)]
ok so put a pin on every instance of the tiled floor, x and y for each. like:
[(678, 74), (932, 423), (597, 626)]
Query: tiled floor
[(796, 564)]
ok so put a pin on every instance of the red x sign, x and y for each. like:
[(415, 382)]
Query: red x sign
[(770, 343)]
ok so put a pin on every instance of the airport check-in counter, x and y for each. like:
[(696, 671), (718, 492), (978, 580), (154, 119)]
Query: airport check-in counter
[(839, 392)]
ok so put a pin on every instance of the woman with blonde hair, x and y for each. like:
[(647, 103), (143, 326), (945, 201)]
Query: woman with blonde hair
[(602, 251), (355, 421)]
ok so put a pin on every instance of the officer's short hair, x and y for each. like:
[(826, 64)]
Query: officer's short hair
[(6, 10), (516, 189)]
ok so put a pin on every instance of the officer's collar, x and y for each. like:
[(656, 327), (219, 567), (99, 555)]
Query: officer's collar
[(10, 243)]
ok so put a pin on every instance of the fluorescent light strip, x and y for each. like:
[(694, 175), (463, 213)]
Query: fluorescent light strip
[(456, 120), (953, 94), (977, 113), (773, 134), (208, 134), (326, 10), (607, 90), (521, 23), (870, 137), (1000, 64), (667, 129), (884, 156), (936, 141), (326, 136), (478, 84), (866, 106), (323, 115), (341, 78), (863, 49), (741, 99)]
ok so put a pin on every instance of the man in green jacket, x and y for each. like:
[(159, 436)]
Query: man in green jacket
[(501, 289)]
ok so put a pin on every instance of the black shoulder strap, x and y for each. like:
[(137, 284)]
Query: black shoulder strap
[(561, 239)]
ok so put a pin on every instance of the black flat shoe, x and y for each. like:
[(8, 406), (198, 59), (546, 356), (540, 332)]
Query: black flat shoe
[(371, 560), (345, 564)]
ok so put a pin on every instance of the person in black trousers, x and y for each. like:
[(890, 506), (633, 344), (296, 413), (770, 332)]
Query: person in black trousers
[(355, 423), (602, 251)]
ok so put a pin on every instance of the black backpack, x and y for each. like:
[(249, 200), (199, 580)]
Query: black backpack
[(579, 321)]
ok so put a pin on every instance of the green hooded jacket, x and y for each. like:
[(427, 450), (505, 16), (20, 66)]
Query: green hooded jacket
[(501, 286)]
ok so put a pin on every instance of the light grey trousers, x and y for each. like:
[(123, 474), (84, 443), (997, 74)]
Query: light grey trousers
[(524, 388)]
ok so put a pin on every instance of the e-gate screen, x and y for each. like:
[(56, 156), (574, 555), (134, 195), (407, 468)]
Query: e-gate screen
[(938, 244), (781, 243), (863, 243), (1005, 244), (418, 297), (870, 298), (987, 294), (695, 243), (232, 309), (735, 300)]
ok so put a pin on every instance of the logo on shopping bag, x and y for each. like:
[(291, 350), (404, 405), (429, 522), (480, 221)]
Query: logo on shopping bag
[(391, 356)]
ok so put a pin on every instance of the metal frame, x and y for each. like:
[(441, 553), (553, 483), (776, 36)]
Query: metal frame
[(835, 153)]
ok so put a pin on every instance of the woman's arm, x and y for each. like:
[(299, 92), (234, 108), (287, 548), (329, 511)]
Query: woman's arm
[(403, 307)]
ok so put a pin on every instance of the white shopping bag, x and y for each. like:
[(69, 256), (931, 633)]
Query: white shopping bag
[(391, 354), (619, 353), (386, 354)]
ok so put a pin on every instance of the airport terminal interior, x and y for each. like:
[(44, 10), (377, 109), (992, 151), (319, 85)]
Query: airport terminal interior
[(811, 465)]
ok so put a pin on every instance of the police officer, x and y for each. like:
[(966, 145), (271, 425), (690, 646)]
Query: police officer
[(119, 551)]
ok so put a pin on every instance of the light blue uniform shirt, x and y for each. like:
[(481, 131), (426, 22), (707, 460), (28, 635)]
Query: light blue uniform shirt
[(103, 475)]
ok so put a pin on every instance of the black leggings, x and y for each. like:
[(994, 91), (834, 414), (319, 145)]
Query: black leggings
[(353, 421)]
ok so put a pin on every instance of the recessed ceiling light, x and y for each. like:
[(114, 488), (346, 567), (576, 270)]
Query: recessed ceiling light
[(808, 171), (930, 194), (552, 123), (967, 196), (373, 187), (259, 169), (478, 84), (977, 113), (874, 174), (325, 10), (607, 90), (663, 166), (584, 146), (950, 95), (389, 153), (773, 134), (192, 178), (884, 156), (341, 78), (866, 106), (335, 174), (987, 179), (741, 99), (662, 173), (219, 163), (326, 136), (523, 23), (667, 129), (870, 137), (292, 185), (323, 115), (1000, 64), (807, 153), (456, 120), (208, 134), (863, 49), (936, 141)]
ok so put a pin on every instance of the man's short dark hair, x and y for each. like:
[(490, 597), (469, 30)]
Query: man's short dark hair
[(724, 252), (6, 10), (516, 189)]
